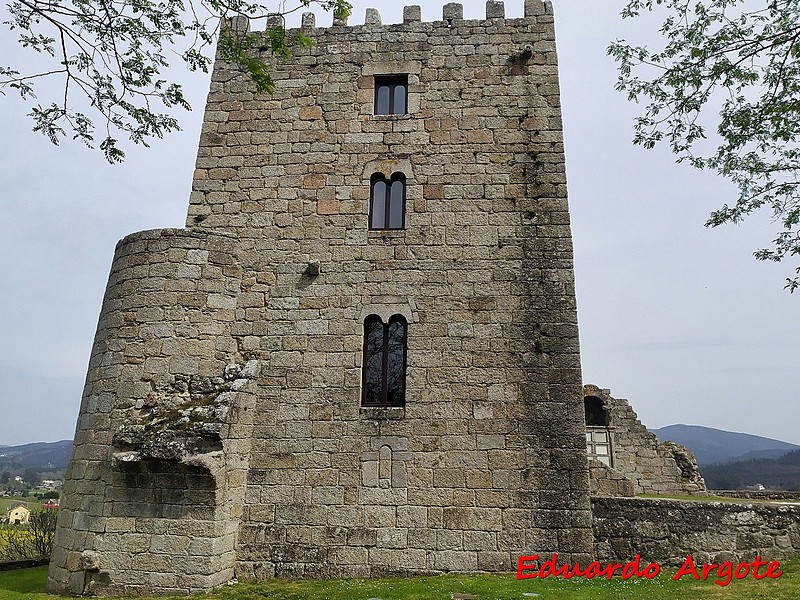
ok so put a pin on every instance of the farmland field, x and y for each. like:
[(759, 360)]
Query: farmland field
[(33, 503)]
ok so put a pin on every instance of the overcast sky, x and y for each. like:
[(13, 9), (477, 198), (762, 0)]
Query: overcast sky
[(680, 320)]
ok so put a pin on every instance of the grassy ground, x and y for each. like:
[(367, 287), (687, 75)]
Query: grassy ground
[(33, 503), (28, 584), (23, 584)]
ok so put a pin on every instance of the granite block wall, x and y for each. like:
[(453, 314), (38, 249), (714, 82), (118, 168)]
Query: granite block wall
[(225, 384), (666, 531)]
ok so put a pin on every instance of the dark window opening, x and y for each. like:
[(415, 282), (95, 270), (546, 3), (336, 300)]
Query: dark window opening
[(384, 370), (387, 204), (596, 413), (391, 95)]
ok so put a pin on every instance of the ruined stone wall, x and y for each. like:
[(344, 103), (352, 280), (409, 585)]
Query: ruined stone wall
[(666, 531), (150, 497), (607, 481), (758, 494), (652, 466), (485, 460)]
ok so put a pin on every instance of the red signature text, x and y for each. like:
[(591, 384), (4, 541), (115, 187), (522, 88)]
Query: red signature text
[(527, 568), (724, 572)]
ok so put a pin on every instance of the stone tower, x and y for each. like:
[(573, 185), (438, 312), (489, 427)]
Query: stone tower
[(360, 357)]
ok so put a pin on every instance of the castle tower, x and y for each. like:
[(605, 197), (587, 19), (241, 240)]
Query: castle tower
[(360, 357)]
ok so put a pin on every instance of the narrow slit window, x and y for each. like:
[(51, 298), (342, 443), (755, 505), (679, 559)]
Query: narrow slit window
[(387, 208), (384, 370), (391, 95)]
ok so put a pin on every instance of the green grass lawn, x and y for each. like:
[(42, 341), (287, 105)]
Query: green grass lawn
[(28, 584), (33, 503)]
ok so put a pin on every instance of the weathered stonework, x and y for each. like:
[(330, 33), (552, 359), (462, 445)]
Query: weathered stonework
[(607, 481), (635, 454), (221, 430), (666, 531)]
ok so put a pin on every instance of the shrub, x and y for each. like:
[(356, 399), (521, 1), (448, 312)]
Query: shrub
[(34, 540)]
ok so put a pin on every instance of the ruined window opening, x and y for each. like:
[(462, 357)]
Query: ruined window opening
[(384, 369), (391, 94), (387, 204), (596, 413)]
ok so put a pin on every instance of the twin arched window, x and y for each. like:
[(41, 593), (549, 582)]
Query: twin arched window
[(387, 203), (384, 369)]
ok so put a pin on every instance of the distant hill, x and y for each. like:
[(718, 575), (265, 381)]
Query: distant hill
[(44, 455), (774, 473), (712, 446)]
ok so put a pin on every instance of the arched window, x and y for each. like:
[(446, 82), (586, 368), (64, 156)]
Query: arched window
[(384, 370), (387, 203)]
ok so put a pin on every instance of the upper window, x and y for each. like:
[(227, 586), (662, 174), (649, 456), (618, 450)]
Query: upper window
[(387, 204), (384, 370), (391, 95)]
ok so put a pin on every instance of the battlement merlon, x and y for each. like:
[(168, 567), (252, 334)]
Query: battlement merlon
[(451, 12)]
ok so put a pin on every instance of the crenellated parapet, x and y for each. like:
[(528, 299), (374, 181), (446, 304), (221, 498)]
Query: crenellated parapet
[(452, 13)]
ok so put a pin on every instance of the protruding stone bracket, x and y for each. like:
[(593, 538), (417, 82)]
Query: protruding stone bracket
[(213, 462), (313, 267), (121, 458), (89, 562)]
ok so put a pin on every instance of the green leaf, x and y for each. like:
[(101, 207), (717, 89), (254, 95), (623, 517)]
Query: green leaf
[(729, 60)]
